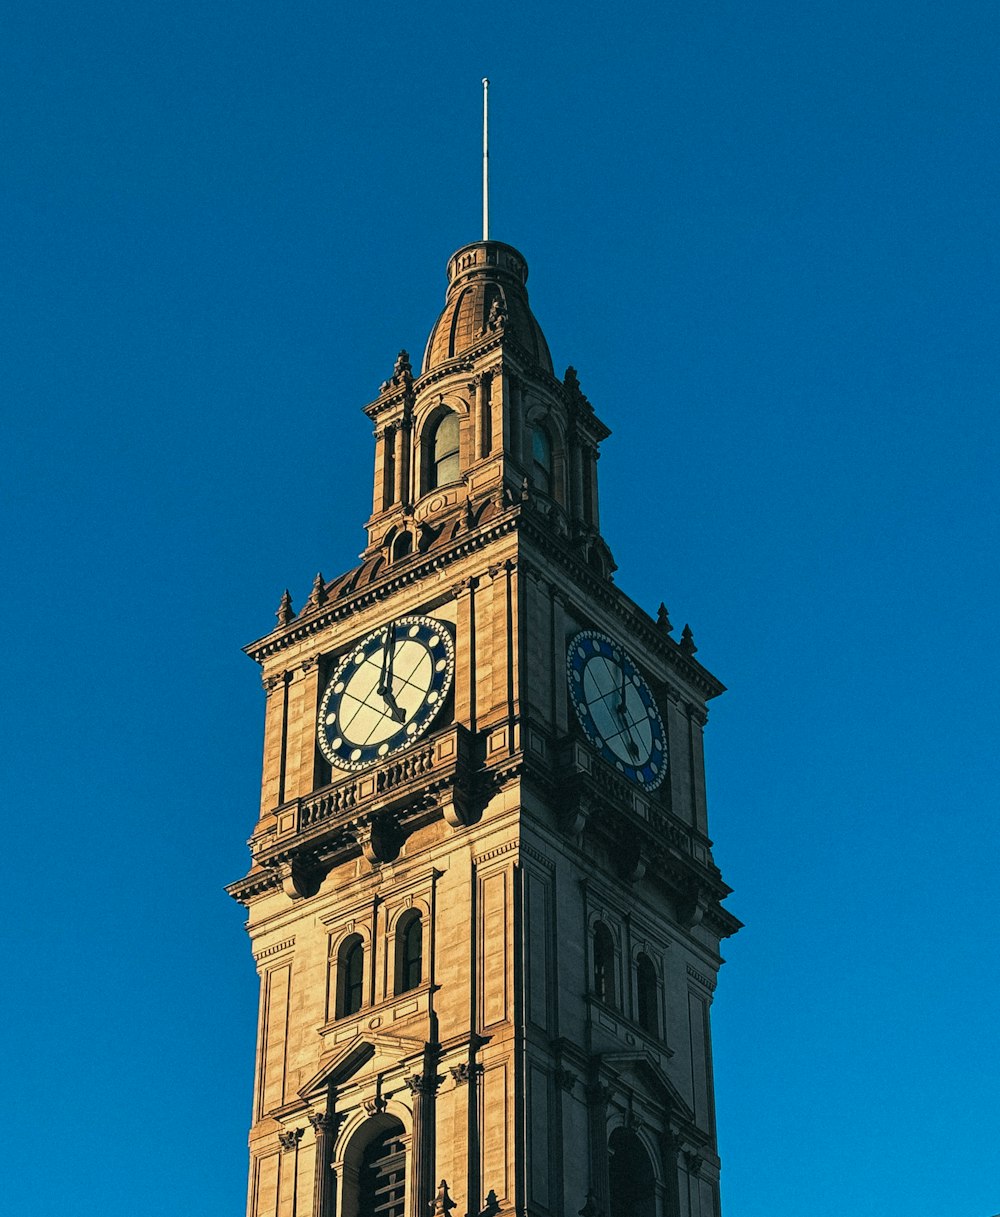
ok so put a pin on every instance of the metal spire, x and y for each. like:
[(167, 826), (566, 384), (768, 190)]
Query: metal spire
[(486, 159)]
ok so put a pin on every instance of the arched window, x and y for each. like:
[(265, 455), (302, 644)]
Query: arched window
[(402, 546), (630, 1175), (541, 459), (444, 464), (409, 951), (645, 979), (382, 1175), (604, 963), (350, 976)]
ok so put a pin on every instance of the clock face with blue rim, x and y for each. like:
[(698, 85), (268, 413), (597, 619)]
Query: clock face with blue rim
[(616, 709), (386, 692)]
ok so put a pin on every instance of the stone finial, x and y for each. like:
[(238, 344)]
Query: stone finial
[(491, 1205), (285, 613), (686, 643), (663, 619), (317, 597), (442, 1204), (402, 373), (590, 1208), (571, 383)]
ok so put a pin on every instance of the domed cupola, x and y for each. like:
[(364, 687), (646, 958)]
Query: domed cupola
[(486, 296)]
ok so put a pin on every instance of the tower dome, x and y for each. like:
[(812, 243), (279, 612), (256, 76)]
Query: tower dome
[(486, 294)]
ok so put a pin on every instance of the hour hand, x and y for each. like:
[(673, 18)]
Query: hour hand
[(397, 711), (385, 683)]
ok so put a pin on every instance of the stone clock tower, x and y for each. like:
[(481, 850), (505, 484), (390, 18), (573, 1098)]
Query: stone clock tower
[(482, 900)]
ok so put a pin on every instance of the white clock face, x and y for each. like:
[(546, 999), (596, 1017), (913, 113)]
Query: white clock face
[(616, 708), (386, 692)]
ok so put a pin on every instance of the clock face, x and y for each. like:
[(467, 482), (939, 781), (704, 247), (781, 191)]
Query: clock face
[(616, 709), (386, 692)]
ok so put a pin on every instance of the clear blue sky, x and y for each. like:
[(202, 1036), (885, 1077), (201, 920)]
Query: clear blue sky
[(766, 236)]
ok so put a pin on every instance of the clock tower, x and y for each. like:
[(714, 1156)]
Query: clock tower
[(482, 900)]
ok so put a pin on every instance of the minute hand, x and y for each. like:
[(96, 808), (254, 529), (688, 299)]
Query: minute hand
[(385, 688)]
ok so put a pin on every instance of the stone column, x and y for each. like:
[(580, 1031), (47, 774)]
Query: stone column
[(598, 1097), (272, 793), (465, 634), (325, 1126), (423, 1087)]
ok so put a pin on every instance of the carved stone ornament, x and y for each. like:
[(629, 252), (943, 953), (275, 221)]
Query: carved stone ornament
[(465, 1072), (290, 1139), (376, 1106), (402, 373), (297, 881), (378, 838), (663, 619), (497, 318), (686, 643), (694, 1161), (285, 613), (423, 1083), (325, 1122), (271, 683), (442, 1204), (565, 1078), (590, 1206), (692, 906), (318, 595)]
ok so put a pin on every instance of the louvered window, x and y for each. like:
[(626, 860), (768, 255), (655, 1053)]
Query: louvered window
[(382, 1181)]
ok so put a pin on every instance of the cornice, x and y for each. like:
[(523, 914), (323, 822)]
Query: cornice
[(405, 576), (514, 519), (635, 619)]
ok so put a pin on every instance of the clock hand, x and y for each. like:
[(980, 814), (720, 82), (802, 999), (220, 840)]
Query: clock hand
[(622, 709), (385, 686)]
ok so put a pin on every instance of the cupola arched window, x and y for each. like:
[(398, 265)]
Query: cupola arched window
[(444, 464), (350, 976), (645, 979), (541, 459), (604, 963), (402, 545), (409, 951), (630, 1176)]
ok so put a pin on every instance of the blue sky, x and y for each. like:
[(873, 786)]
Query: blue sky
[(765, 235)]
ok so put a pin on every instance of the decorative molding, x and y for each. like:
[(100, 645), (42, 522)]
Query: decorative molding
[(376, 1106), (267, 952), (423, 1083), (701, 978), (694, 1161), (506, 848), (290, 1139), (465, 1072), (565, 1078)]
